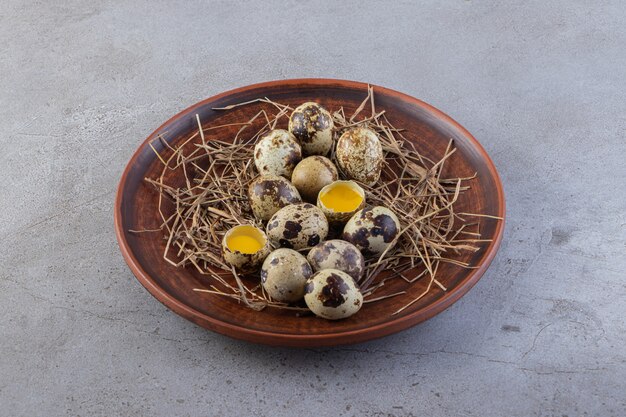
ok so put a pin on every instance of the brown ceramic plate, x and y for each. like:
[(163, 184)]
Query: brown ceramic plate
[(427, 127)]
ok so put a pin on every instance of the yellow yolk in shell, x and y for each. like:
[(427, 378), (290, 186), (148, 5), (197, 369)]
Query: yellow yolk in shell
[(245, 239), (244, 244), (341, 198)]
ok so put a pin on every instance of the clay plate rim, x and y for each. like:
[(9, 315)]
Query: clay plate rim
[(394, 325)]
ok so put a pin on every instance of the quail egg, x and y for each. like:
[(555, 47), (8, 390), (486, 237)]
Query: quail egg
[(277, 153), (332, 294), (372, 229), (340, 200), (312, 125), (245, 247), (297, 226), (269, 193), (311, 175), (284, 275), (338, 254), (360, 155)]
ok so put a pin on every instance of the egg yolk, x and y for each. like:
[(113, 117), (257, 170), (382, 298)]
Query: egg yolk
[(245, 239), (341, 198)]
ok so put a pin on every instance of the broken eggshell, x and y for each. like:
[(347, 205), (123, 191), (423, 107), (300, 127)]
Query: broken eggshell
[(245, 261), (340, 200)]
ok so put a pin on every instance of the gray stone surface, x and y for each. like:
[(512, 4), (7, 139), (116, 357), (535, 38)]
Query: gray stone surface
[(540, 84)]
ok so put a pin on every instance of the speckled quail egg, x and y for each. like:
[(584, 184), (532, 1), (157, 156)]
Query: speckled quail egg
[(338, 254), (245, 247), (372, 229), (340, 200), (277, 153), (312, 125), (284, 275), (269, 193), (360, 155), (332, 294), (312, 174), (297, 226)]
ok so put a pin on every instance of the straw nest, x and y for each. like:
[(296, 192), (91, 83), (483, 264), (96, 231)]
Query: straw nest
[(213, 199)]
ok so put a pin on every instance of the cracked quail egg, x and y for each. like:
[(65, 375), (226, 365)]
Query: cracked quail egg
[(284, 275), (297, 226), (360, 155), (312, 125), (372, 229), (277, 153), (338, 254), (245, 247), (340, 200), (269, 193), (332, 294), (312, 174)]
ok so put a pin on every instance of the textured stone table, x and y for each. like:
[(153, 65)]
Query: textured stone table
[(540, 84)]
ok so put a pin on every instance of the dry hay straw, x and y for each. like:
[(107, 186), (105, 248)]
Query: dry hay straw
[(213, 198)]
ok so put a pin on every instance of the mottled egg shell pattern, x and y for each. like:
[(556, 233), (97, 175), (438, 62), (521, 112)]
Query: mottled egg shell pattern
[(284, 275), (312, 174), (312, 125), (245, 262), (332, 294), (338, 254), (339, 217), (269, 193), (372, 229), (297, 226), (360, 155), (277, 153)]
